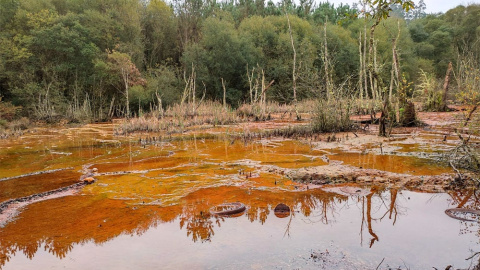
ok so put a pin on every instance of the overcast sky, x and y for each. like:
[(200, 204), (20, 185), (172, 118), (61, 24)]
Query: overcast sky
[(433, 6)]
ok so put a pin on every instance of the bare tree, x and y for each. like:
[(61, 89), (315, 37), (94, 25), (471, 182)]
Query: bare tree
[(294, 77)]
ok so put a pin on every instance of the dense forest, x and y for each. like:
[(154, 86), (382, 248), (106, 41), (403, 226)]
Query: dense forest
[(91, 60)]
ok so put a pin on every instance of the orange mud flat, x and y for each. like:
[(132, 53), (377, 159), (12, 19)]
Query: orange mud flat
[(340, 174), (164, 192)]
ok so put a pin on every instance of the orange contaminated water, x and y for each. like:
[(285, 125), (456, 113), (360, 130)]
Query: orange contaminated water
[(150, 206)]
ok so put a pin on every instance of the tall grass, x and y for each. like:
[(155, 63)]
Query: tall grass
[(13, 128), (178, 117), (248, 110)]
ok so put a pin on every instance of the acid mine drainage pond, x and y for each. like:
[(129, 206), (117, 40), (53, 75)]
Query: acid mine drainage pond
[(355, 203)]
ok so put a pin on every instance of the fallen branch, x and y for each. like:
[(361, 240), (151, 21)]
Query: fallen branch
[(469, 116), (471, 257), (380, 264)]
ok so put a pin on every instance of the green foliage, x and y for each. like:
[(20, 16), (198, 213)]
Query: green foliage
[(434, 42), (469, 93), (326, 12), (160, 30), (65, 57), (465, 23), (8, 8), (380, 9), (332, 115), (429, 93), (164, 82), (405, 47), (343, 51), (270, 50), (8, 111), (220, 54)]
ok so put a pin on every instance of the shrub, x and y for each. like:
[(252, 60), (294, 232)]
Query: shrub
[(429, 93), (19, 124), (332, 116), (8, 111)]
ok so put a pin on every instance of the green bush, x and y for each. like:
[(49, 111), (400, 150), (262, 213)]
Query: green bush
[(332, 116), (429, 93)]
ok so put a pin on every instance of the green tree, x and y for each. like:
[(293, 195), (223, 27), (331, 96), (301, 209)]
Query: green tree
[(160, 31), (124, 74), (220, 54), (434, 43), (380, 10)]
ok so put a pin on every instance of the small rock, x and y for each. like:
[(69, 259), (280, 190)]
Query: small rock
[(282, 210), (89, 180)]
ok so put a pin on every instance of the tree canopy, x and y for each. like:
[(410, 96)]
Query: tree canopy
[(57, 55)]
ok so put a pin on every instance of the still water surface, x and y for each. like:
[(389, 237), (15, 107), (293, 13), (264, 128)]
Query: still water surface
[(150, 208)]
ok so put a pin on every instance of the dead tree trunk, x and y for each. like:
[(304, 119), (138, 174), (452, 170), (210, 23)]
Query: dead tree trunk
[(395, 75), (372, 71), (360, 73), (125, 76), (294, 76), (325, 61), (365, 58), (445, 85), (369, 220), (250, 83), (224, 95), (393, 208)]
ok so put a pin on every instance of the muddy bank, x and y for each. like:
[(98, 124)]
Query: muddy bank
[(338, 174)]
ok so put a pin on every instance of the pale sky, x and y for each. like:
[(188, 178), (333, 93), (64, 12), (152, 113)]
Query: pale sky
[(433, 6)]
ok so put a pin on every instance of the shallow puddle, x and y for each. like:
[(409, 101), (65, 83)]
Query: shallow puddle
[(326, 230), (392, 163), (150, 206)]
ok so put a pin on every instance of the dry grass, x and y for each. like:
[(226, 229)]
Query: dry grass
[(247, 110), (177, 118), (365, 106), (14, 128)]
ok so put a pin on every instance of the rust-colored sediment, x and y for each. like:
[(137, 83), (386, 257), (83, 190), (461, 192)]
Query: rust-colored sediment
[(63, 222), (29, 185), (338, 174), (181, 178)]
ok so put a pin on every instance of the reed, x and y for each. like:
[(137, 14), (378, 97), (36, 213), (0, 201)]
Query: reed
[(179, 117)]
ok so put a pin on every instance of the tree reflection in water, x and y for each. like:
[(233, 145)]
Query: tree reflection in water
[(469, 200), (389, 205), (61, 224)]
